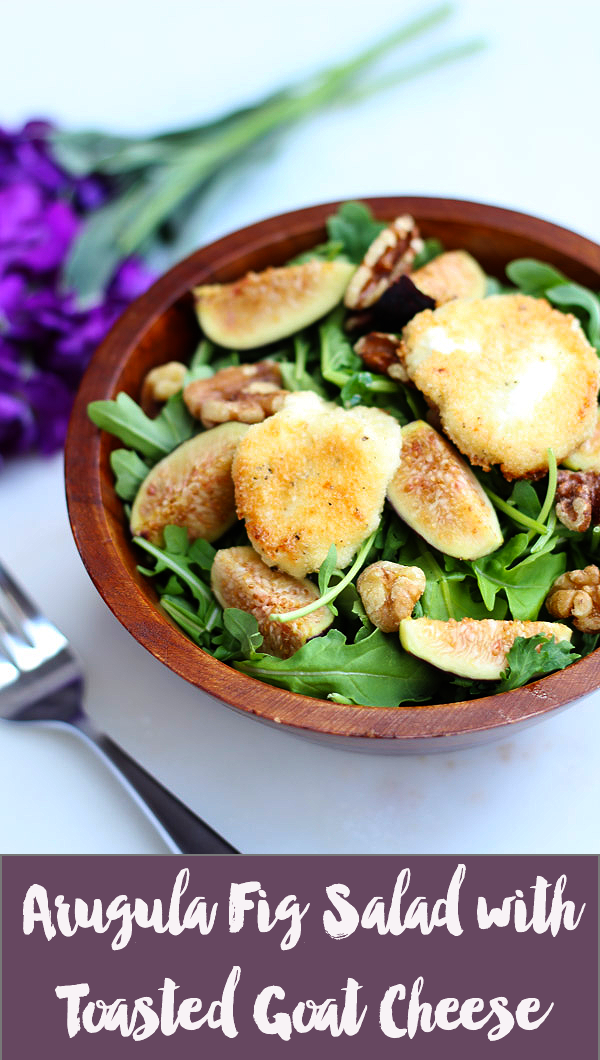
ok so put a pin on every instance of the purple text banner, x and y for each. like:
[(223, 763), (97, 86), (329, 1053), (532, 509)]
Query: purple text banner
[(300, 957)]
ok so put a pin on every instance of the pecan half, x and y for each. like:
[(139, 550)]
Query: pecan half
[(379, 351), (246, 392), (390, 255), (578, 499), (576, 595)]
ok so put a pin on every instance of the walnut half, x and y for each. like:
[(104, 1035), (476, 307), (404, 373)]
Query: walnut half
[(160, 384), (576, 595), (389, 592), (578, 499), (246, 392)]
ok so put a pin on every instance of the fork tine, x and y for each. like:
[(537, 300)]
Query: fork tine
[(27, 637), (8, 673)]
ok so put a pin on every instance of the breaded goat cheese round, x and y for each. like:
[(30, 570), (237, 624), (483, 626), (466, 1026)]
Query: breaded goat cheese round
[(510, 377), (311, 476)]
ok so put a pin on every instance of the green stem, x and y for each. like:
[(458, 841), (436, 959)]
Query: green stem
[(551, 490), (198, 588), (514, 513), (334, 591)]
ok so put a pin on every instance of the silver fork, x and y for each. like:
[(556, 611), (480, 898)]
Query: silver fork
[(41, 680)]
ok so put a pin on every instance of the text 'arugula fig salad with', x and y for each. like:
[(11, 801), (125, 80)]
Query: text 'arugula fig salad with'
[(377, 481)]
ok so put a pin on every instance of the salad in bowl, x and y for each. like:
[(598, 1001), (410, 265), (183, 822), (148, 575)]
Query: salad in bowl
[(376, 481)]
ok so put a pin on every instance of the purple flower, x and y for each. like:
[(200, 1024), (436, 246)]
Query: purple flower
[(18, 431), (46, 338)]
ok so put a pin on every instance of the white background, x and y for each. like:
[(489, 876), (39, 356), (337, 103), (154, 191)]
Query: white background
[(516, 125)]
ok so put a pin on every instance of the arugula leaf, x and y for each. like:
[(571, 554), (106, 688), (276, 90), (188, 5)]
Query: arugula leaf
[(155, 438), (129, 470), (526, 584), (532, 657), (338, 360), (541, 280), (243, 628), (374, 671), (432, 248), (354, 228), (533, 277), (323, 252), (573, 296)]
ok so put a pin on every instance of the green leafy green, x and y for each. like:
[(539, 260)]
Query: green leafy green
[(129, 471), (153, 438), (532, 657), (526, 583), (354, 228), (432, 248), (542, 280), (243, 628), (339, 362), (374, 671)]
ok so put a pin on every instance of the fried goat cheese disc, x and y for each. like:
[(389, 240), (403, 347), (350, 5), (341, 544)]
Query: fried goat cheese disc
[(510, 377), (313, 475), (239, 578)]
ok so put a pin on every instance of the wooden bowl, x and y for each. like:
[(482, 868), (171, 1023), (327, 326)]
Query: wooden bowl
[(161, 326)]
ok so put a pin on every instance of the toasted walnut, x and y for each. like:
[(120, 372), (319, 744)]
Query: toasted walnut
[(389, 593), (246, 392), (378, 351), (576, 595), (578, 499), (390, 255), (160, 384)]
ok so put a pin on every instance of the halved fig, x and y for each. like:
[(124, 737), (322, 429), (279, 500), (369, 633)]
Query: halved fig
[(239, 578), (190, 487), (473, 647), (454, 274), (437, 494), (587, 456), (266, 306)]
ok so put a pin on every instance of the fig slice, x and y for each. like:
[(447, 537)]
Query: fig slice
[(190, 487), (437, 494), (473, 647), (454, 274), (587, 456), (239, 578), (266, 306)]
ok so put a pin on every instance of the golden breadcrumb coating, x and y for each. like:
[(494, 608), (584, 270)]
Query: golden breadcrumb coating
[(239, 578), (311, 476), (510, 377)]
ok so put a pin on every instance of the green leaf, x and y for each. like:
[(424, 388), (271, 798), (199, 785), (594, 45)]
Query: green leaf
[(129, 470), (572, 296), (354, 228), (176, 540), (327, 568), (124, 418), (374, 671), (153, 438), (338, 360), (526, 584), (532, 657), (243, 628), (432, 248), (533, 277)]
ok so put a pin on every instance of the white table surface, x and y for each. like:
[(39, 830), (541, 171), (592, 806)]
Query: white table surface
[(517, 126)]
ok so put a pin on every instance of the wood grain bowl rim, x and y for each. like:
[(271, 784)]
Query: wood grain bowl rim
[(129, 596)]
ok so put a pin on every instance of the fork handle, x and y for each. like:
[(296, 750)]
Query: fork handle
[(182, 830)]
